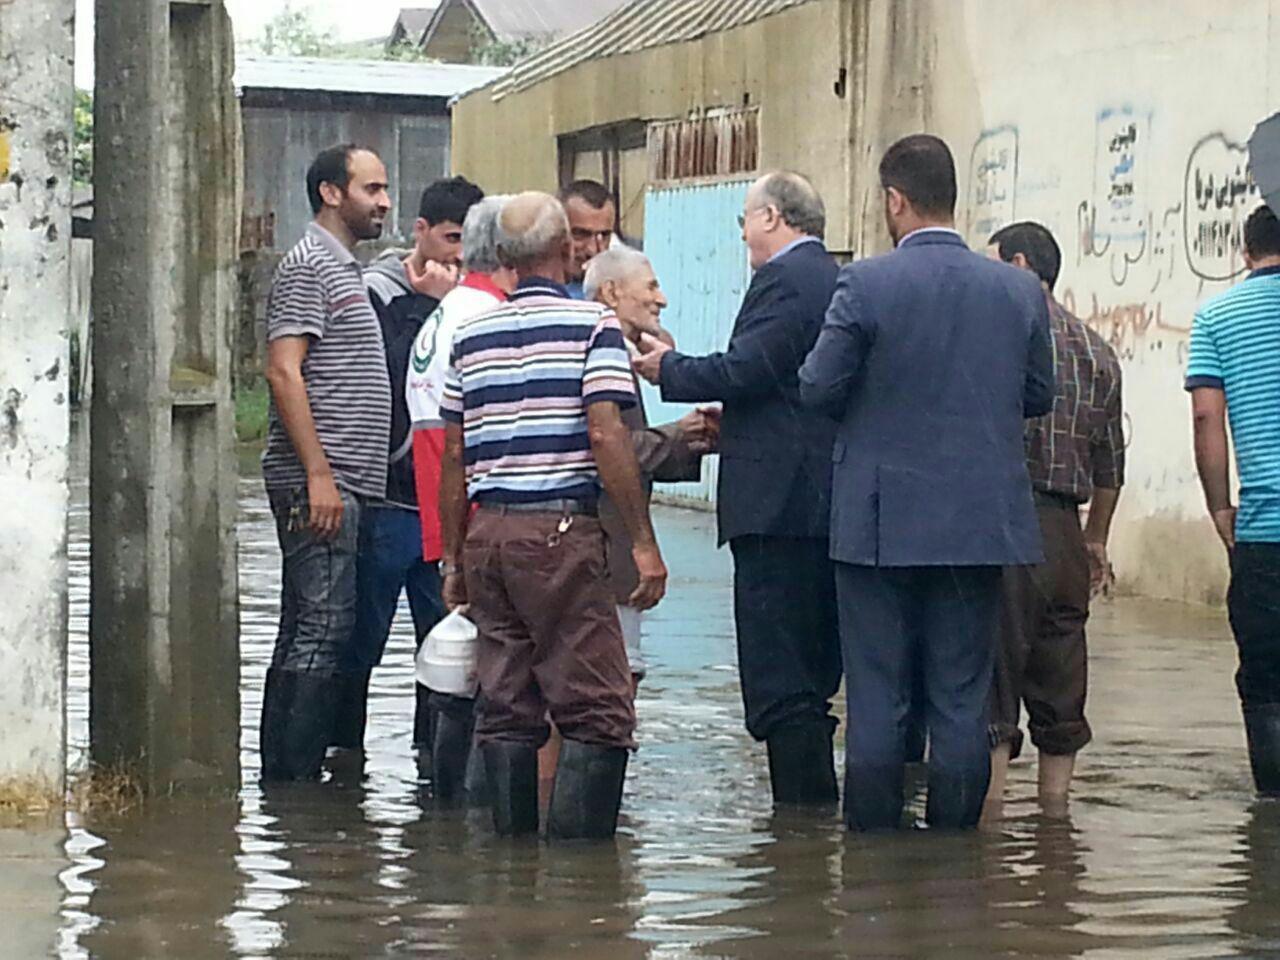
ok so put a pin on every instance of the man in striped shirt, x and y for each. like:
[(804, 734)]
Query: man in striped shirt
[(1233, 372), (533, 430), (326, 453)]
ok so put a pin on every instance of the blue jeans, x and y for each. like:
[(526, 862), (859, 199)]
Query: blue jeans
[(390, 560), (318, 585)]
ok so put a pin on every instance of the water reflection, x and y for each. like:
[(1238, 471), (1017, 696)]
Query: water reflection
[(1162, 856)]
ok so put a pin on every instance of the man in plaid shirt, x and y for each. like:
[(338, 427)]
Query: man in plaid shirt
[(1075, 455)]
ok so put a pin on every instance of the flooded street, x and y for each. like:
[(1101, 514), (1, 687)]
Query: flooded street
[(1165, 854)]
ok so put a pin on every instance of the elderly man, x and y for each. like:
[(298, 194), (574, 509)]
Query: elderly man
[(593, 217), (485, 284), (775, 484), (533, 430)]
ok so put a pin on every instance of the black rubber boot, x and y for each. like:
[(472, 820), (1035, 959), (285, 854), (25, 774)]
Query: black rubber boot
[(352, 713), (512, 772), (477, 783), (277, 696), (423, 735), (801, 766), (297, 718), (1262, 727), (450, 752), (587, 792)]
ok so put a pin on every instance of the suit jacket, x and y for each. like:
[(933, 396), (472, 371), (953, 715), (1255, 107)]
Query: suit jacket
[(775, 456), (932, 356), (663, 456)]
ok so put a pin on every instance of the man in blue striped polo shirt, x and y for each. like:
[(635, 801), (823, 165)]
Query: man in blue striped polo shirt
[(1234, 374), (533, 428)]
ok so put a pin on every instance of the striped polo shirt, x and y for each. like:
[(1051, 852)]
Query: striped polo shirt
[(1235, 347), (318, 292), (520, 380)]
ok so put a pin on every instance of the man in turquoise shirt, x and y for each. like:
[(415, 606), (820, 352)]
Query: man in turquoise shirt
[(1233, 373)]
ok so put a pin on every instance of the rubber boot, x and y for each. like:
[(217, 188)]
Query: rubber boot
[(352, 713), (477, 783), (450, 753), (587, 792), (423, 736), (801, 766), (1262, 727), (277, 696), (297, 724), (512, 772)]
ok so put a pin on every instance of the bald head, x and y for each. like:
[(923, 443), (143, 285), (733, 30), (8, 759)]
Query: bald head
[(797, 202), (533, 234)]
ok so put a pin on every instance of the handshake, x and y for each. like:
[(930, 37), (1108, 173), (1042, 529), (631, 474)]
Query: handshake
[(700, 430)]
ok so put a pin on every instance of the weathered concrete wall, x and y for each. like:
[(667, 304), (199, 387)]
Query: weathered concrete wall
[(789, 64), (35, 292), (1122, 128), (164, 679)]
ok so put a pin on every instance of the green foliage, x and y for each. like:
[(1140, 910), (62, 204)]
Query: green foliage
[(406, 52), (293, 32), (82, 150), (503, 53), (252, 404)]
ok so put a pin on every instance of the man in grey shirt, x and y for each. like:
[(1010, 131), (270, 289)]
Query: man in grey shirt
[(326, 450)]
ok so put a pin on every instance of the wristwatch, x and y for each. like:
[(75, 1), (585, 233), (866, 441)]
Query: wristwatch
[(448, 569)]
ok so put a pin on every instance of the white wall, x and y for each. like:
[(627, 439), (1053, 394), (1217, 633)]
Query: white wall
[(35, 237), (1121, 126)]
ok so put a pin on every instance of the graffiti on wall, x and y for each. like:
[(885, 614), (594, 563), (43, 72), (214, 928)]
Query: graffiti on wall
[(993, 181), (1218, 193)]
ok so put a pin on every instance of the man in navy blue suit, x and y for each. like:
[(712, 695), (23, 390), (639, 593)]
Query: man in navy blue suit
[(931, 356), (775, 484)]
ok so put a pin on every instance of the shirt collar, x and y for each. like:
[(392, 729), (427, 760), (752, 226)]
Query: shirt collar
[(331, 243), (1264, 272), (791, 246), (926, 230), (539, 287), (475, 280)]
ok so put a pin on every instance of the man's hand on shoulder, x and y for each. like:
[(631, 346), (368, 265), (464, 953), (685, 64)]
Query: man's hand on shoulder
[(649, 364), (435, 280)]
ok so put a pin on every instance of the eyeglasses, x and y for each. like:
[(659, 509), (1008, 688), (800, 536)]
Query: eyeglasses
[(599, 236), (742, 217)]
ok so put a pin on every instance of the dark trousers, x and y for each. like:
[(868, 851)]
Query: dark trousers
[(784, 603), (1042, 658), (1253, 604), (940, 621), (317, 585), (549, 639)]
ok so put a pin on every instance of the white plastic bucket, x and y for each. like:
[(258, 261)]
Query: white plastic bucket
[(446, 661)]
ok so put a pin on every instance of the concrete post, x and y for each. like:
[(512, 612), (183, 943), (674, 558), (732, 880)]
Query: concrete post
[(36, 89), (164, 656)]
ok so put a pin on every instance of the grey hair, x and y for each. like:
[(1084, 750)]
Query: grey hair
[(799, 204), (540, 224), (480, 235), (616, 263)]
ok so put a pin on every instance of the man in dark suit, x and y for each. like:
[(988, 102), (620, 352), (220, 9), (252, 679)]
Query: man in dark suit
[(932, 356), (775, 484)]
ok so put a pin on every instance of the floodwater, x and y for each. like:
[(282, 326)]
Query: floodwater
[(1165, 852)]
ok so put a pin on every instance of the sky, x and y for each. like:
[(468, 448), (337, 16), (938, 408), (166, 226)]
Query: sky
[(349, 20)]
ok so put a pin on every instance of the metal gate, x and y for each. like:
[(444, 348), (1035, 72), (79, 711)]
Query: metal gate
[(693, 239)]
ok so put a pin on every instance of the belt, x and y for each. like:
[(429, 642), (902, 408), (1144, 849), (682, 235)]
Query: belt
[(561, 507), (1045, 498)]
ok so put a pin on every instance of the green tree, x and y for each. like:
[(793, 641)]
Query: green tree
[(503, 53), (293, 32), (82, 149)]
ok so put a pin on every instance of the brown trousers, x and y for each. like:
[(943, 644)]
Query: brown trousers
[(1042, 659), (549, 635)]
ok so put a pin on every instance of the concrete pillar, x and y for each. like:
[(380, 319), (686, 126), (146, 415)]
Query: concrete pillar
[(36, 89), (164, 655)]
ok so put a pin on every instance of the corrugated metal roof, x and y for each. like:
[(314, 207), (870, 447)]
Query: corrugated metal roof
[(381, 77), (512, 19), (640, 25)]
